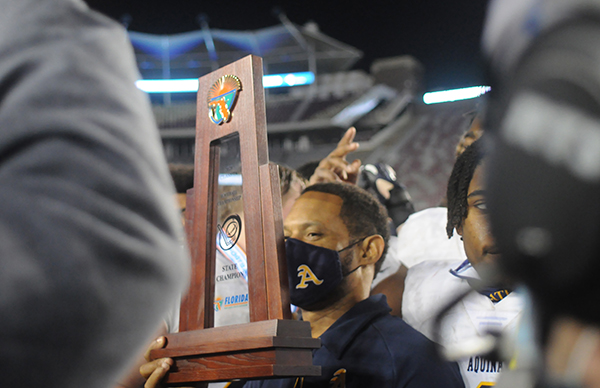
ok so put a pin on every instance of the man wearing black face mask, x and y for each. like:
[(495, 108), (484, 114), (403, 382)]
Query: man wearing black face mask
[(336, 238)]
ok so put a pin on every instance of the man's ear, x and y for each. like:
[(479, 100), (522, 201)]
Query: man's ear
[(371, 249)]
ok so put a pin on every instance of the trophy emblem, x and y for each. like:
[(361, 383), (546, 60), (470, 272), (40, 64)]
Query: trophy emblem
[(221, 98)]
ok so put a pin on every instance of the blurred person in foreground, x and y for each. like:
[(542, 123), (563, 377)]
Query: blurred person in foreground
[(90, 235), (544, 116), (336, 237)]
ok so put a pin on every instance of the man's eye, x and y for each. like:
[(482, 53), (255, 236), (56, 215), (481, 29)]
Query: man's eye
[(314, 234), (285, 237), (481, 206)]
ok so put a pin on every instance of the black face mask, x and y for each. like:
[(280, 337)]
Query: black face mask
[(313, 271)]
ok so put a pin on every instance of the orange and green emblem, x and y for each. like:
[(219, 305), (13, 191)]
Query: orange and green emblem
[(218, 303), (221, 98)]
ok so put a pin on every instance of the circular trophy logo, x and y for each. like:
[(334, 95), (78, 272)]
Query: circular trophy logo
[(229, 233)]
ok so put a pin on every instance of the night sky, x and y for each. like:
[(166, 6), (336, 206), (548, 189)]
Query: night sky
[(443, 35)]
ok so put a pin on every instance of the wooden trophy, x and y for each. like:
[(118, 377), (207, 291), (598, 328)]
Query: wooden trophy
[(236, 201)]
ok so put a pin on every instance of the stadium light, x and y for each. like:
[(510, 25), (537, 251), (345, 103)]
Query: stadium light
[(167, 85), (190, 85), (455, 94)]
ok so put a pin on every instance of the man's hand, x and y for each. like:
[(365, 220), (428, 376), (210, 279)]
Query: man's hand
[(335, 168), (155, 370)]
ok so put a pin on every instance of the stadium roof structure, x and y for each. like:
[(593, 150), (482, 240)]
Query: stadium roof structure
[(306, 117), (285, 48)]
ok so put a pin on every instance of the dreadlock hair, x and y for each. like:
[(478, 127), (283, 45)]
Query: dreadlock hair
[(458, 185), (361, 212)]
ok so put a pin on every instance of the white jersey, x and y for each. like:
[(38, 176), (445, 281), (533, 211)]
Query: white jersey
[(423, 237), (430, 286), (391, 263)]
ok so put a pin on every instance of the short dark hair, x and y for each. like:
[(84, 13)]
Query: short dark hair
[(362, 213), (458, 185), (183, 176)]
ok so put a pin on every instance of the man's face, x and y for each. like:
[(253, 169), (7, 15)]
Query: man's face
[(315, 219), (480, 246)]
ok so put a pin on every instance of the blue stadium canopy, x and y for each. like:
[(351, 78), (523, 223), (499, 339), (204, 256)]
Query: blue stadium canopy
[(284, 49)]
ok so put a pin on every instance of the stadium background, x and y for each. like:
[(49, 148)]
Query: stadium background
[(372, 62)]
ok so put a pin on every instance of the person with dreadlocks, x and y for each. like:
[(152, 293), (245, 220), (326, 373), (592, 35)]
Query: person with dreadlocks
[(431, 285)]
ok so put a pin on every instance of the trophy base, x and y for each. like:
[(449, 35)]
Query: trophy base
[(264, 349)]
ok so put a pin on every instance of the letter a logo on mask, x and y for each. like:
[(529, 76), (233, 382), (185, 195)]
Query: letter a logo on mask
[(306, 275)]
